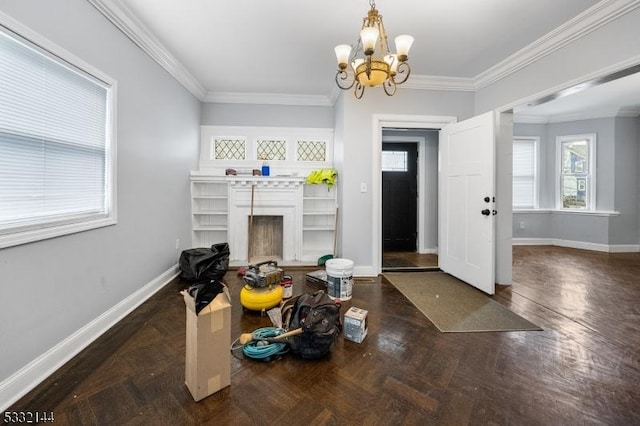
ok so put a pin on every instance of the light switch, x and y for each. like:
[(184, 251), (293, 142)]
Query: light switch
[(363, 187)]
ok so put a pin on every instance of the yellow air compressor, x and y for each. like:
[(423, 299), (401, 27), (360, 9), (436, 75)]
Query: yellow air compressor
[(262, 289), (260, 298)]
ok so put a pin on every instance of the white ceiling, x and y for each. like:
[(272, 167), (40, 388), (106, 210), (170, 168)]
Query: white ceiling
[(285, 47)]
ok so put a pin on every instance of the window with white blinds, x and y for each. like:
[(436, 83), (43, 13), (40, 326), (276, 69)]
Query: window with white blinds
[(56, 145), (525, 172)]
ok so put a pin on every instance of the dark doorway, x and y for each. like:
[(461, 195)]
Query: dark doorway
[(399, 197)]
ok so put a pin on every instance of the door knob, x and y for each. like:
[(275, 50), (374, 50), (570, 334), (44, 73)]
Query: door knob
[(486, 212)]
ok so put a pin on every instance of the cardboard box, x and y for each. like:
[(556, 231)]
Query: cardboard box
[(355, 324), (208, 355)]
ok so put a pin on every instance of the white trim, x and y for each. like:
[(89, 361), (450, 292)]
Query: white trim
[(127, 22), (570, 87), (629, 112), (18, 384), (532, 241), (620, 248), (365, 271), (436, 82), (604, 213), (591, 19), (267, 99), (625, 248), (17, 238), (378, 122), (429, 251)]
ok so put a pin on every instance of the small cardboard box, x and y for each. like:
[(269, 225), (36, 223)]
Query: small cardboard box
[(208, 357), (355, 324)]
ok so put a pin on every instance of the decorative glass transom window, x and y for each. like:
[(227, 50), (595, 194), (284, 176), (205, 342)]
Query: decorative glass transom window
[(576, 169), (394, 161), (271, 149), (229, 149), (311, 151)]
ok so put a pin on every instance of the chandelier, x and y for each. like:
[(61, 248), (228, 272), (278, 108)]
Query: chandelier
[(377, 67)]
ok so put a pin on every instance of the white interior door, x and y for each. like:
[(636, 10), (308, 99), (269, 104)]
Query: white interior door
[(466, 201)]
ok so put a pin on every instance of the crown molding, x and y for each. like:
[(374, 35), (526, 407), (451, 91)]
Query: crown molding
[(435, 82), (116, 12), (591, 19), (628, 112), (267, 99)]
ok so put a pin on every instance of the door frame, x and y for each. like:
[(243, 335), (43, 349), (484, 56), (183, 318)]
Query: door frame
[(421, 141), (381, 121)]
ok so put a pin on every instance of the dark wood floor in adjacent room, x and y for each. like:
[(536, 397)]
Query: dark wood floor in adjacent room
[(584, 368)]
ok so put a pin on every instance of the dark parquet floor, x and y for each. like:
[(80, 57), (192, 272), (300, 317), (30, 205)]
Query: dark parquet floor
[(582, 369)]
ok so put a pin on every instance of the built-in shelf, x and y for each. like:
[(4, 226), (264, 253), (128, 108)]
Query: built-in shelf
[(220, 205)]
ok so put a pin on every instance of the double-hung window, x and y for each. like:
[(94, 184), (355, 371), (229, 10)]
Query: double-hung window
[(575, 157), (56, 141), (525, 172)]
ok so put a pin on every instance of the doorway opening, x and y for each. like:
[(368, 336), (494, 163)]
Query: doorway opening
[(409, 182)]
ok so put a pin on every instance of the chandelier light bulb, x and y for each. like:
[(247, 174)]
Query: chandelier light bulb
[(369, 37), (343, 52), (356, 63), (403, 44)]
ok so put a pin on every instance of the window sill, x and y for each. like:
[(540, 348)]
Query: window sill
[(604, 213), (32, 235)]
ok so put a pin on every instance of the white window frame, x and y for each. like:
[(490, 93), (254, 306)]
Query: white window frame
[(22, 234), (591, 175), (535, 140)]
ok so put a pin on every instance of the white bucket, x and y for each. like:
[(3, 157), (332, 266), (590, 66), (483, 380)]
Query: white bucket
[(339, 278)]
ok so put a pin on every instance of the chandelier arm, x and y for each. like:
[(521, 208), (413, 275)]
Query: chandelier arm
[(341, 80), (404, 70), (359, 90), (389, 86)]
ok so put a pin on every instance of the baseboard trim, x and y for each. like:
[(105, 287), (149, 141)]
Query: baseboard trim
[(625, 248), (620, 248), (429, 251), (18, 384)]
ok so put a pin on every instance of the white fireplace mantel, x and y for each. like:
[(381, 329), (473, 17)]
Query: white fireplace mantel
[(265, 196), (222, 206)]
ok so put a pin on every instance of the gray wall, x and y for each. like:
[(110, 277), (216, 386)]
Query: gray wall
[(617, 179), (52, 288), (266, 115), (626, 170), (358, 164)]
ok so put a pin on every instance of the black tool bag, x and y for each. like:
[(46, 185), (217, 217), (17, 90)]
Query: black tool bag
[(205, 264), (319, 318)]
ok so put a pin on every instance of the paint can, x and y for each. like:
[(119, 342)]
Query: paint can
[(339, 278), (287, 286)]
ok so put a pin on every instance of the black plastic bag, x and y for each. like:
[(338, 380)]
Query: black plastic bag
[(204, 292), (205, 264)]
